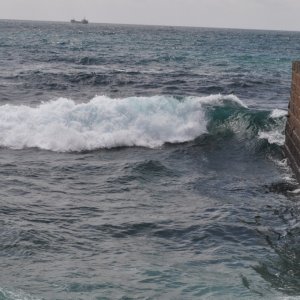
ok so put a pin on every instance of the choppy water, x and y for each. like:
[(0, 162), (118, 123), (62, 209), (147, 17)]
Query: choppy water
[(145, 163)]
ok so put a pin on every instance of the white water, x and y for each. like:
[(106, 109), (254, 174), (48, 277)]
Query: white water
[(62, 125), (275, 136), (278, 113)]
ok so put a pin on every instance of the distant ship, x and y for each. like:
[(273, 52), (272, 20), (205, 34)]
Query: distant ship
[(83, 21)]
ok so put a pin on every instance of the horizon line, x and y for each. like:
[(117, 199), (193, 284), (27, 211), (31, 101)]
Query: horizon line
[(157, 25)]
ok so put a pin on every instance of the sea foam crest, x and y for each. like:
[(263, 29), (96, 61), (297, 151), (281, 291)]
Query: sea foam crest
[(278, 113), (63, 125), (275, 136)]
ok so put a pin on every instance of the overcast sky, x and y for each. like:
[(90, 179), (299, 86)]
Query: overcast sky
[(259, 14)]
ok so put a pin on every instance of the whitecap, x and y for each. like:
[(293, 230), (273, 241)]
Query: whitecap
[(63, 125), (273, 137), (278, 113)]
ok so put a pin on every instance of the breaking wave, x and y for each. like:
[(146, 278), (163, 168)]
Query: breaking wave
[(63, 125)]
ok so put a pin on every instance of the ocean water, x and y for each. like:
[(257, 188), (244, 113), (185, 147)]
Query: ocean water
[(146, 163)]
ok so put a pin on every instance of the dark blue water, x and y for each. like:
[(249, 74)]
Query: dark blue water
[(146, 163)]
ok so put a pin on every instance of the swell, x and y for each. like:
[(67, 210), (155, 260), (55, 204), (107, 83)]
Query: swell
[(53, 77), (63, 125)]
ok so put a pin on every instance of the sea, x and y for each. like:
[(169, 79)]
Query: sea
[(146, 162)]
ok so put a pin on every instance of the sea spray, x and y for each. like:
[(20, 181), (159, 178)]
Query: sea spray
[(63, 125), (275, 136)]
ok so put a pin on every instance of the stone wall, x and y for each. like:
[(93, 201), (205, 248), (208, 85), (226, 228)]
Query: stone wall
[(292, 131)]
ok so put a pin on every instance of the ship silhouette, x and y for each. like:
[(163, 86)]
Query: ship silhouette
[(83, 21)]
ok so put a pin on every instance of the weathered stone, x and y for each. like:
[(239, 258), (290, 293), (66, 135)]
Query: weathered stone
[(292, 131)]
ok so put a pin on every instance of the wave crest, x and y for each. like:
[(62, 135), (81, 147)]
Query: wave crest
[(63, 125)]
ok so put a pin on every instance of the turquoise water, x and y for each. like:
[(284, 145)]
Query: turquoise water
[(145, 163)]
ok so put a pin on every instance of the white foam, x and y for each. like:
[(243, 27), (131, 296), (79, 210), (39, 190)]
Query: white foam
[(276, 135), (273, 137), (220, 99), (282, 163), (62, 125), (278, 113), (296, 191)]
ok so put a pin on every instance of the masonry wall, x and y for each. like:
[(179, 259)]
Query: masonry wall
[(292, 132)]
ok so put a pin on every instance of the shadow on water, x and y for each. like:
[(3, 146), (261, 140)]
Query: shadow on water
[(282, 187), (282, 268)]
